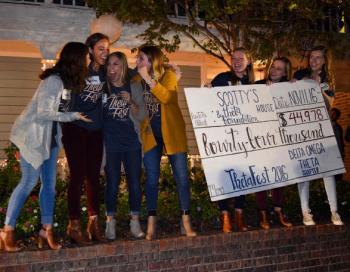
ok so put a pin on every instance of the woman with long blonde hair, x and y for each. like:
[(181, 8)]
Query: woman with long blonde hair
[(162, 131)]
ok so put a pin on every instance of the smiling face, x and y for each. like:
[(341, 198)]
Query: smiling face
[(316, 60), (277, 70), (100, 52), (239, 63), (115, 70)]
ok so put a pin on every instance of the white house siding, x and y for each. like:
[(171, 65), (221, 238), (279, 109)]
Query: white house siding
[(18, 81)]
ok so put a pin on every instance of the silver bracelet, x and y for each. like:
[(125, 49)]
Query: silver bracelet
[(149, 82)]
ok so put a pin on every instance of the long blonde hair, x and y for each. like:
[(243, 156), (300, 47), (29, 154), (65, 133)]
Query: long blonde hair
[(124, 73), (156, 58), (327, 68), (122, 57)]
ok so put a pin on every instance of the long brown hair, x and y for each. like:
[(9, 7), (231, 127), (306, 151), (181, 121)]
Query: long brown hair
[(156, 58), (93, 39), (124, 74), (71, 66), (288, 67), (327, 69)]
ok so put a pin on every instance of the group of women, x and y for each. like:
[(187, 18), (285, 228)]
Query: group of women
[(280, 70), (96, 104), (103, 105)]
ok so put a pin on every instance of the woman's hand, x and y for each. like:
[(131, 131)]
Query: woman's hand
[(268, 82), (126, 96), (144, 73), (134, 109), (84, 118), (177, 71)]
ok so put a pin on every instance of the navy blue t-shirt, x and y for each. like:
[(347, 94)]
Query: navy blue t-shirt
[(89, 101), (228, 79), (263, 81), (118, 129), (154, 112)]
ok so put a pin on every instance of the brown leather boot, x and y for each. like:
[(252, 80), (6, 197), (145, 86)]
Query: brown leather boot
[(263, 221), (226, 222), (7, 241), (93, 230), (282, 219), (75, 234), (46, 235), (239, 221)]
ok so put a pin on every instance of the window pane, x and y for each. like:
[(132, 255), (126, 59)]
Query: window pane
[(80, 3)]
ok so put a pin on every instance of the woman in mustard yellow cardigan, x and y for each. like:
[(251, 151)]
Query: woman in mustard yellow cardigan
[(163, 130)]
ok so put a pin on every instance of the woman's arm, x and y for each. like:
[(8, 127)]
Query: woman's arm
[(166, 90), (48, 98), (138, 109)]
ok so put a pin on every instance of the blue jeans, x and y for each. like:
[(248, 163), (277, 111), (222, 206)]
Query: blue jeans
[(132, 161), (30, 176), (178, 164)]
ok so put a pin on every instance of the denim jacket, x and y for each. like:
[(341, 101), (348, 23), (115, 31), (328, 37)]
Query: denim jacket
[(32, 130)]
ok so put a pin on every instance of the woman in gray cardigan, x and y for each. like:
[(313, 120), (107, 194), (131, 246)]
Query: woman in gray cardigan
[(37, 134)]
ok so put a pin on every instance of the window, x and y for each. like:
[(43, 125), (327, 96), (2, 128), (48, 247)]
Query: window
[(78, 3)]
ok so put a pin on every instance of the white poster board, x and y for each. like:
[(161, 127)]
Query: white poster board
[(256, 137)]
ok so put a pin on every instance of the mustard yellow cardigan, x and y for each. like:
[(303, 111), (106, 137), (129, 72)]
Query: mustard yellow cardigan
[(172, 122)]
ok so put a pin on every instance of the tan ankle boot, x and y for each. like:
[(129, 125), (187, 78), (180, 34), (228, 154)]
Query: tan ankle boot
[(282, 219), (226, 222), (186, 226), (75, 234), (46, 235), (151, 227), (263, 221), (93, 230), (7, 241)]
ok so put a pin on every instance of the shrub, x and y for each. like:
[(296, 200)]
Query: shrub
[(205, 213)]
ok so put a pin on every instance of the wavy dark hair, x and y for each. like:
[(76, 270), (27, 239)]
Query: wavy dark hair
[(93, 39), (71, 66)]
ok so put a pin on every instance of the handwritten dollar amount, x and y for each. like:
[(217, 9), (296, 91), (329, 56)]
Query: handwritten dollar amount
[(291, 118)]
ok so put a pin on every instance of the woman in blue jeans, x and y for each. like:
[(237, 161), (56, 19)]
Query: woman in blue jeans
[(163, 130), (123, 111), (37, 134)]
